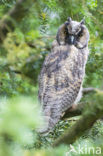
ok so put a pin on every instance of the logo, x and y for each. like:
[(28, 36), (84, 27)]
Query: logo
[(84, 150)]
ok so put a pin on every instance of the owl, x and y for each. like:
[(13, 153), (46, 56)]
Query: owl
[(62, 73)]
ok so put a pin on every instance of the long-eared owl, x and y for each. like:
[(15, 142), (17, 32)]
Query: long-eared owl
[(62, 73)]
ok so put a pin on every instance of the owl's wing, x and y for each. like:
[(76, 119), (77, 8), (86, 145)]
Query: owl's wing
[(58, 88), (43, 79), (49, 66)]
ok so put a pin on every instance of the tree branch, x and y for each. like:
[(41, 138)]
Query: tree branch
[(88, 90), (75, 110), (87, 120)]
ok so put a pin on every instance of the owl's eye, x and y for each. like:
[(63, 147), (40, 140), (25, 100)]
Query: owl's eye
[(70, 27), (80, 34), (65, 32), (77, 30)]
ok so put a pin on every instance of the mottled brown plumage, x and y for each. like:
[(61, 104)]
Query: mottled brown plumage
[(61, 77)]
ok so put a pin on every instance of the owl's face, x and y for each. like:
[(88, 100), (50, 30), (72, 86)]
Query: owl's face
[(73, 29)]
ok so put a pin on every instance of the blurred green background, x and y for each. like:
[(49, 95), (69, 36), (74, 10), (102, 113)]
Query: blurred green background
[(21, 56)]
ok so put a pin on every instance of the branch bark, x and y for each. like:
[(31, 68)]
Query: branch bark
[(15, 15), (88, 90), (75, 110), (87, 120)]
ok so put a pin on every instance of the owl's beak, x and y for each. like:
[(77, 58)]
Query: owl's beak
[(71, 39)]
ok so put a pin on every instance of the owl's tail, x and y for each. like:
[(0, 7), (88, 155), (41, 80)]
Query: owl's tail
[(51, 118)]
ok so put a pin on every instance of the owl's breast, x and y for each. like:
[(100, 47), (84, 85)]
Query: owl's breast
[(73, 66), (62, 74)]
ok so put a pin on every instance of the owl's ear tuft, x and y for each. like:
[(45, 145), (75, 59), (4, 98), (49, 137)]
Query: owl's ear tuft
[(82, 21), (69, 19), (66, 23)]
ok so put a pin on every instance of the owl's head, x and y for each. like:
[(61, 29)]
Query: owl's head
[(74, 27), (72, 32)]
